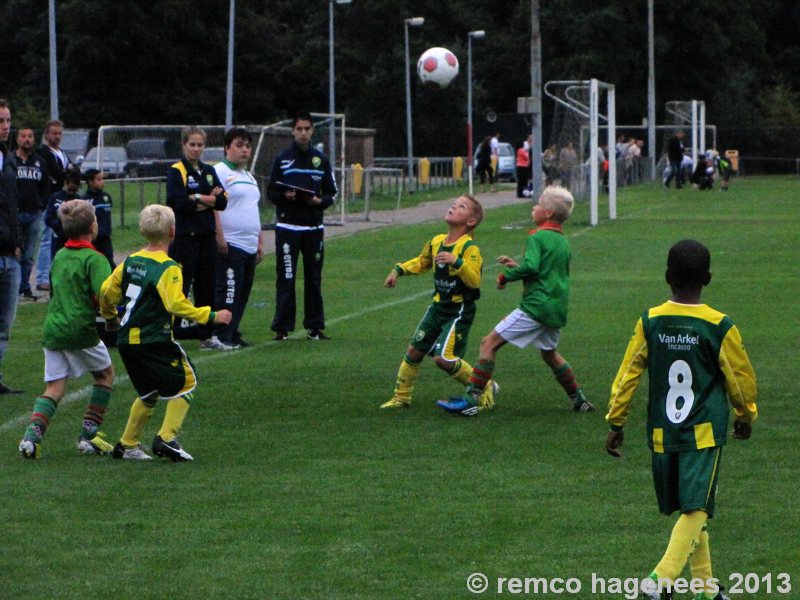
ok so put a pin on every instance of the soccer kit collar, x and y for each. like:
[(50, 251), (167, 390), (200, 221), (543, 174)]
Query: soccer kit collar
[(79, 244), (548, 226)]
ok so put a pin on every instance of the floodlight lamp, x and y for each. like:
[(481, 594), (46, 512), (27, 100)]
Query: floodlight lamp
[(415, 21), (476, 35)]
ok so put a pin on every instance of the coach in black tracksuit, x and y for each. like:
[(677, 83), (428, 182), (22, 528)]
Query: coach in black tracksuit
[(299, 228)]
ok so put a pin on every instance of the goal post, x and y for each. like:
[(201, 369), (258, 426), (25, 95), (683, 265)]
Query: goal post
[(578, 108)]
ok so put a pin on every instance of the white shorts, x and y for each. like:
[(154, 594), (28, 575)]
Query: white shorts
[(522, 331), (74, 363)]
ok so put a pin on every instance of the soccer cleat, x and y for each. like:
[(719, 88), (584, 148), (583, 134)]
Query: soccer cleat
[(486, 401), (460, 406), (583, 406), (241, 343), (395, 402), (281, 336), (214, 343), (721, 595), (4, 389), (30, 449), (96, 445), (171, 450), (135, 453), (649, 588), (317, 334)]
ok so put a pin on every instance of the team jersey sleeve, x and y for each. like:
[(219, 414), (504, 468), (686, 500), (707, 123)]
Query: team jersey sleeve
[(99, 271), (170, 289), (111, 293), (221, 198), (469, 271), (740, 379), (328, 187), (627, 379), (530, 262), (420, 264), (177, 195)]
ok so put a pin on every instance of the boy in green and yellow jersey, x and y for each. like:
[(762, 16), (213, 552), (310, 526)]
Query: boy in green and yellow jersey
[(71, 345), (151, 284), (541, 314), (695, 359), (443, 332)]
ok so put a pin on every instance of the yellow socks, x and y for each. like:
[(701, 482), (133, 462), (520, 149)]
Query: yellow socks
[(173, 418), (685, 535), (406, 380), (140, 414), (700, 560), (461, 372)]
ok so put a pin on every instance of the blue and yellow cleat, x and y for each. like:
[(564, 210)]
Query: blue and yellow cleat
[(458, 405)]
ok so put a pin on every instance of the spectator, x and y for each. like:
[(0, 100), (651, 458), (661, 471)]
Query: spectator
[(33, 188), (193, 193), (567, 161), (240, 240), (523, 170), (495, 146), (549, 164), (101, 200), (301, 186), (72, 185), (703, 176), (483, 163), (675, 157), (57, 163), (10, 244)]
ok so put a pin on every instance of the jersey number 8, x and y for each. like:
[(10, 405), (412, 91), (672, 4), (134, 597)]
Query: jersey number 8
[(680, 387)]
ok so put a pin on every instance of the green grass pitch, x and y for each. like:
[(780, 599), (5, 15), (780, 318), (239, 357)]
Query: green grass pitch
[(302, 488)]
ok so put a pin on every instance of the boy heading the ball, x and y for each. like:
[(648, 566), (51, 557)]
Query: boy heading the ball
[(71, 344), (444, 329), (151, 284), (695, 359), (542, 313)]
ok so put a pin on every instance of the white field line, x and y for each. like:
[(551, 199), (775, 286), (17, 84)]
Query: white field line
[(81, 393)]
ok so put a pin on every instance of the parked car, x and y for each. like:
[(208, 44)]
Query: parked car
[(114, 161), (76, 142), (506, 162), (151, 157), (213, 154)]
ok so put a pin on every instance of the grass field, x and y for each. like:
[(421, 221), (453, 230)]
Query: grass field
[(302, 488)]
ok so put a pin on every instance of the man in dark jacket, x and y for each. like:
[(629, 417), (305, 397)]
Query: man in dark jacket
[(10, 245), (33, 189), (301, 187), (675, 156)]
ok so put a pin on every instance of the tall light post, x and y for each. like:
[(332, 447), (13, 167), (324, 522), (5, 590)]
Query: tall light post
[(472, 35), (51, 10), (332, 83), (229, 81), (651, 92), (413, 22)]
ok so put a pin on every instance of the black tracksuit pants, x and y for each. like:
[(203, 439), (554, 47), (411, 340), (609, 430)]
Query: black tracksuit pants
[(289, 244), (197, 255), (235, 274)]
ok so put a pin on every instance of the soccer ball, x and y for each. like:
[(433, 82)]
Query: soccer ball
[(437, 67)]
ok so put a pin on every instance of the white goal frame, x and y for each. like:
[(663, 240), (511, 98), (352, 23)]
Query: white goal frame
[(560, 91)]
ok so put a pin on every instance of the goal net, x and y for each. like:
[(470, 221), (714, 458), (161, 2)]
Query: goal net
[(329, 136), (577, 156)]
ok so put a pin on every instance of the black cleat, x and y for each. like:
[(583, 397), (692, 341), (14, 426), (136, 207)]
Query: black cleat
[(171, 450)]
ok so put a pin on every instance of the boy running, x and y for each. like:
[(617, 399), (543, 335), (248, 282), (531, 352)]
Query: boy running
[(151, 284), (694, 358), (71, 345), (544, 273), (444, 329)]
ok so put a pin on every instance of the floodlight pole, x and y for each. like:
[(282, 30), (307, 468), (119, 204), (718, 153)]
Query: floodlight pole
[(53, 61), (651, 91), (414, 22), (229, 83), (536, 101), (332, 83), (470, 36)]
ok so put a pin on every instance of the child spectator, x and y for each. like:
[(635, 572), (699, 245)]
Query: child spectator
[(444, 330), (101, 200), (725, 168), (71, 345), (152, 285), (542, 313), (703, 176), (72, 185), (695, 359)]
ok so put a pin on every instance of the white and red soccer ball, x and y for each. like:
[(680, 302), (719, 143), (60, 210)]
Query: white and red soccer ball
[(437, 67)]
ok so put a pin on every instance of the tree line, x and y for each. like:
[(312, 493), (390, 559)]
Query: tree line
[(131, 62)]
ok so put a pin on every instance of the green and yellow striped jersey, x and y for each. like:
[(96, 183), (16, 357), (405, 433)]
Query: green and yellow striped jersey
[(695, 359), (453, 284), (151, 285)]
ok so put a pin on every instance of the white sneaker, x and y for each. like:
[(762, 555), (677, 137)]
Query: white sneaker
[(29, 449), (214, 343), (135, 453)]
